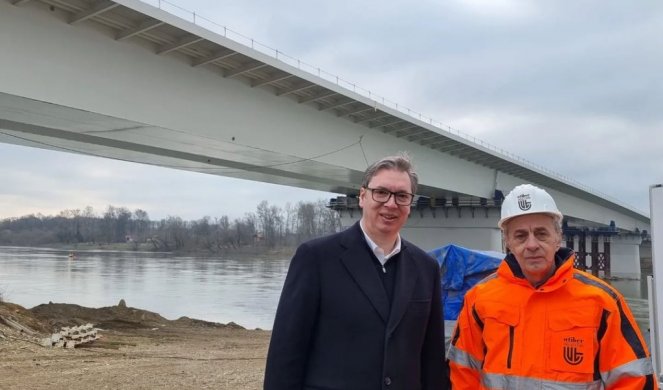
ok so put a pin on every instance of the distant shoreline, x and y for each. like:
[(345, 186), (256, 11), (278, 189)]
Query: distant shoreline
[(287, 251)]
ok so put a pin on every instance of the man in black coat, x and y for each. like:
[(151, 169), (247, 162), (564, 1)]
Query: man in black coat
[(361, 309)]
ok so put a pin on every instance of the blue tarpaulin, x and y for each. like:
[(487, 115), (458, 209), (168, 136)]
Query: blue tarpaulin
[(461, 269)]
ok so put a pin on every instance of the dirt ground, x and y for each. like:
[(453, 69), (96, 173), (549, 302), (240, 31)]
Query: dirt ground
[(137, 350)]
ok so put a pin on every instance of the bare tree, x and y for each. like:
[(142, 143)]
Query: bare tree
[(245, 230), (175, 234), (306, 221), (88, 223), (108, 224), (329, 221), (141, 225), (224, 233), (202, 233), (270, 222)]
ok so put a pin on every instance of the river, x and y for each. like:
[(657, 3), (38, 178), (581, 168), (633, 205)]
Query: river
[(244, 289)]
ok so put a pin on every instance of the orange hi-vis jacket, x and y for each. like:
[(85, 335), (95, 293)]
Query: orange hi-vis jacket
[(573, 332)]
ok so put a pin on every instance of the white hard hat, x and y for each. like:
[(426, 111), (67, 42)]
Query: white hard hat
[(527, 199)]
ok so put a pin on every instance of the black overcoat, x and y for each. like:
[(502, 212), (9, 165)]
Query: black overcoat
[(336, 330)]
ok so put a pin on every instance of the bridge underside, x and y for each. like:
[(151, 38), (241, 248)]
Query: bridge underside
[(50, 126)]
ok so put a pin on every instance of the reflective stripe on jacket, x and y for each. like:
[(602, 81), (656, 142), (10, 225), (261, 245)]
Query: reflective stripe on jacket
[(573, 332)]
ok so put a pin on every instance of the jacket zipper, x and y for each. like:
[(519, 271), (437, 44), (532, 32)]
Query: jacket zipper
[(510, 355)]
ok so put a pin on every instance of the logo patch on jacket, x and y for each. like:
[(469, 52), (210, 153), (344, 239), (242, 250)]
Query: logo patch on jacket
[(524, 202), (571, 350)]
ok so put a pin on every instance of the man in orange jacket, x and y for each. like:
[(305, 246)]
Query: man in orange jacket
[(538, 323)]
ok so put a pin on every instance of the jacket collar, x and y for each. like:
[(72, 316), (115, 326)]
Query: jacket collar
[(354, 235), (377, 250), (564, 259)]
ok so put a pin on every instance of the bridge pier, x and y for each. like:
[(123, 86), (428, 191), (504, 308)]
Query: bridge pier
[(593, 250), (625, 256)]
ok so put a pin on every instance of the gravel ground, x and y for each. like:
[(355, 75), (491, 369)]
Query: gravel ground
[(147, 353)]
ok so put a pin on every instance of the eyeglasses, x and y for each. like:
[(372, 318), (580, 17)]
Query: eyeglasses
[(382, 196)]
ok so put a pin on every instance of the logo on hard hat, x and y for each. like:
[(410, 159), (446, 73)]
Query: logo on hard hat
[(524, 202)]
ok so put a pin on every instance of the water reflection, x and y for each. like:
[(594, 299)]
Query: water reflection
[(243, 290)]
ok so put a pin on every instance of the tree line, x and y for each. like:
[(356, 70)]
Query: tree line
[(269, 226)]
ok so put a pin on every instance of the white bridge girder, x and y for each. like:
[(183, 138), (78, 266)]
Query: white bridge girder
[(125, 80)]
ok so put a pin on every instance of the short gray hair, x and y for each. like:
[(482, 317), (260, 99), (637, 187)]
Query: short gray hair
[(400, 162)]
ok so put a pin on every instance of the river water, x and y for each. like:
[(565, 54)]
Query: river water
[(244, 290)]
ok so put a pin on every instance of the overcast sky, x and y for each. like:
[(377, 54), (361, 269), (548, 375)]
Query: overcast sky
[(575, 86)]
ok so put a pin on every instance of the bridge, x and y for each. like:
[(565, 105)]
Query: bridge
[(128, 80)]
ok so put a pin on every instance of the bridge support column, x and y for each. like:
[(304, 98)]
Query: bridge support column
[(625, 256), (593, 252), (430, 228)]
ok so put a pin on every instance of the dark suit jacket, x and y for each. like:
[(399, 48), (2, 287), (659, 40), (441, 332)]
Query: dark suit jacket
[(334, 329)]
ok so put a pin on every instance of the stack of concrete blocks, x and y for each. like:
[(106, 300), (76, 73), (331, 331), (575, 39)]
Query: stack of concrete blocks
[(70, 337)]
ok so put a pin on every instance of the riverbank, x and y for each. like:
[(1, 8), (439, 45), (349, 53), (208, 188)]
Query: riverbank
[(259, 251), (138, 349)]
